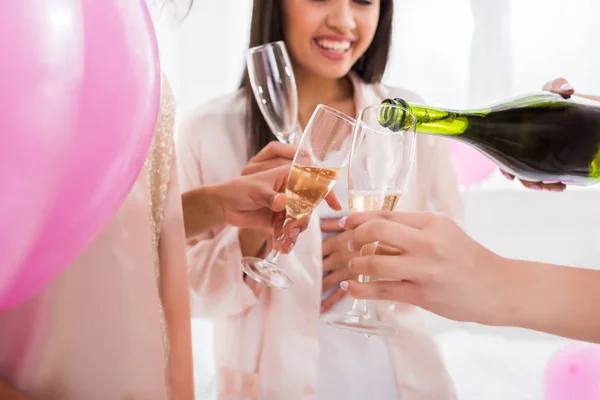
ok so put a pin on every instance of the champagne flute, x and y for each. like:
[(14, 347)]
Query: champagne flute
[(380, 164), (323, 151), (274, 88)]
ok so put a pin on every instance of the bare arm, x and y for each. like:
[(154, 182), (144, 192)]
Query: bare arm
[(560, 300), (562, 87), (201, 210), (246, 202), (587, 96), (443, 270)]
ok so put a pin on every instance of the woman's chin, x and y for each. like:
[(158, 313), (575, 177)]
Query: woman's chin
[(337, 72)]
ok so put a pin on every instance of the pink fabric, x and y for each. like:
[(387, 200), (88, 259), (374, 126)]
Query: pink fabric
[(275, 335), (95, 332)]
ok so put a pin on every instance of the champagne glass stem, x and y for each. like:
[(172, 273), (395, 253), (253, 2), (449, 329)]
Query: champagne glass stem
[(275, 252), (293, 135), (266, 270), (273, 256), (361, 305)]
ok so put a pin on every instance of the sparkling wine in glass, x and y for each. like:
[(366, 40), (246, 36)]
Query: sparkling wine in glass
[(324, 150), (380, 164), (274, 88)]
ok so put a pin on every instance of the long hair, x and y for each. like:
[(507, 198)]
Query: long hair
[(267, 27)]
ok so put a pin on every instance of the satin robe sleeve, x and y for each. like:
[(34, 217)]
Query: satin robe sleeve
[(216, 279)]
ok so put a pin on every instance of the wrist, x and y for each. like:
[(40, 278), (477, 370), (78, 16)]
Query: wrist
[(212, 200), (511, 285), (559, 300), (202, 209), (254, 242), (524, 296)]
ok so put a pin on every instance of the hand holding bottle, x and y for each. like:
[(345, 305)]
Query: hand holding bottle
[(543, 139), (565, 89)]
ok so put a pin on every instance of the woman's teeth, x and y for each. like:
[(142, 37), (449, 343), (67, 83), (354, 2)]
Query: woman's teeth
[(335, 46)]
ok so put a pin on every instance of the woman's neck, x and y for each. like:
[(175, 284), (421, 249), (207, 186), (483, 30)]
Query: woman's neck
[(313, 90)]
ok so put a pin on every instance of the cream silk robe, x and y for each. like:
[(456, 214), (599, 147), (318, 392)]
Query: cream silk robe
[(269, 347)]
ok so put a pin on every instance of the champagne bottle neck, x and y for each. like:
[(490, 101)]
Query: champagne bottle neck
[(439, 121), (429, 120)]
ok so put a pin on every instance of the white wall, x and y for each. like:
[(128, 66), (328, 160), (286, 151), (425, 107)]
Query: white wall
[(203, 54)]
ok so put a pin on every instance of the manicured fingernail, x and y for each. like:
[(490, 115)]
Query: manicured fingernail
[(507, 176), (535, 187), (344, 286), (294, 232), (342, 222), (565, 87)]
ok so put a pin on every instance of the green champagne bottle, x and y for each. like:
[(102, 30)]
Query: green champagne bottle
[(538, 137)]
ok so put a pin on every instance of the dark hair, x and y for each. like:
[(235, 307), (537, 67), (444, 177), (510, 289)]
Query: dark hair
[(267, 27)]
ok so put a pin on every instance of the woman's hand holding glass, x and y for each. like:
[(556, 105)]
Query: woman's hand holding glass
[(336, 258), (323, 150)]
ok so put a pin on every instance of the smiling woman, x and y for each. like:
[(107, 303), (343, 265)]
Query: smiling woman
[(339, 51), (317, 50)]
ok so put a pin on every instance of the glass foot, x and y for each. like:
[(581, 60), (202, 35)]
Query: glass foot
[(359, 323), (267, 273)]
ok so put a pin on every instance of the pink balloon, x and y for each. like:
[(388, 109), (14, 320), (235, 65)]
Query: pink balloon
[(40, 72), (107, 76), (471, 166), (574, 373)]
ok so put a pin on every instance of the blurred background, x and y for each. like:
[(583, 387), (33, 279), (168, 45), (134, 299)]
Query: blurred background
[(455, 53)]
